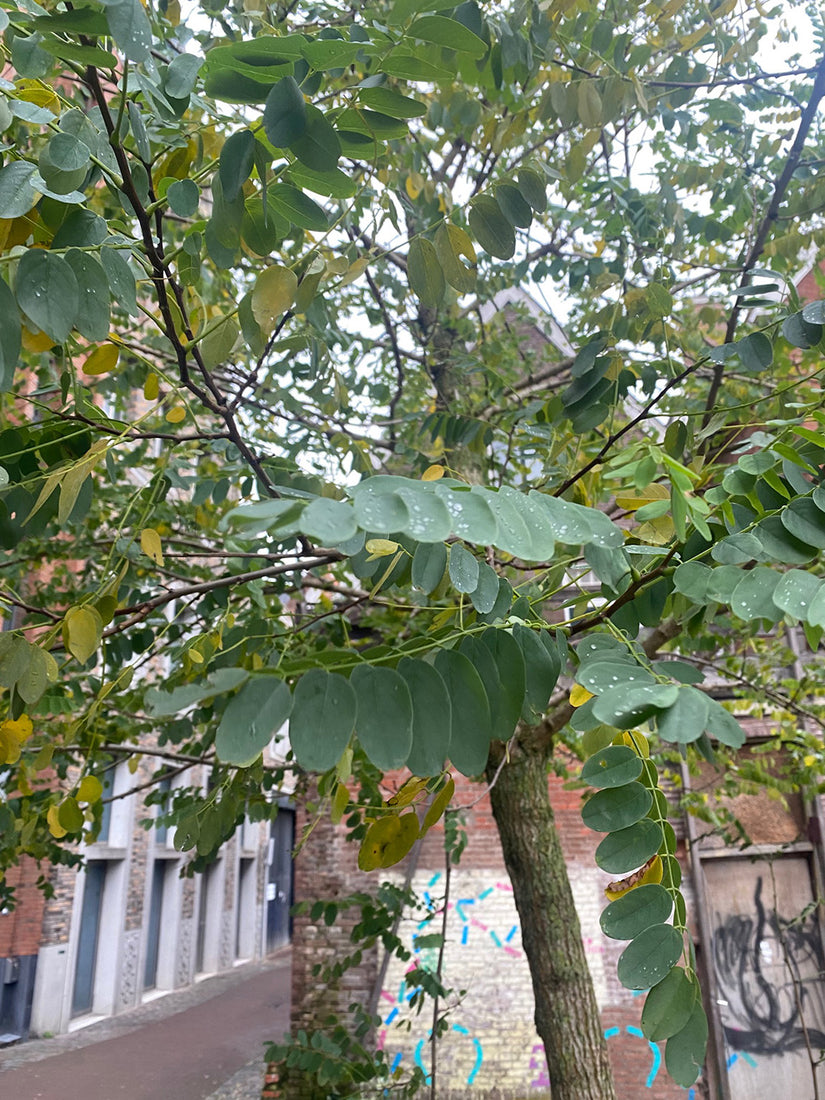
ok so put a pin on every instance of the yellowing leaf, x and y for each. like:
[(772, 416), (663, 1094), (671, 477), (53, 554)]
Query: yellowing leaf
[(55, 828), (102, 360), (19, 728), (433, 473), (35, 91), (151, 387), (380, 548), (89, 790), (176, 414), (355, 270), (36, 341), (650, 873), (150, 544), (633, 499), (579, 695), (274, 293), (414, 185), (82, 628)]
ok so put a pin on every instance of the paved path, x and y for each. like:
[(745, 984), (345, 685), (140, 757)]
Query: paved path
[(181, 1047)]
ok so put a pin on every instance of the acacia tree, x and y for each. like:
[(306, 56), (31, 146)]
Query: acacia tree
[(263, 437)]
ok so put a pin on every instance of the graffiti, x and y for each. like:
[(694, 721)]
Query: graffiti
[(538, 1061), (761, 1012), (479, 1053)]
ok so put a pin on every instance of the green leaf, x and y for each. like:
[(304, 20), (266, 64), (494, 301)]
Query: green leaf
[(251, 719), (471, 515), (687, 719), (425, 273), (285, 113), (384, 718), (237, 160), (122, 285), (299, 209), (323, 719), (648, 958), (92, 316), (533, 189), (512, 674), (130, 28), (626, 849), (692, 579), (625, 707), (47, 292), (801, 333), (183, 197), (814, 313), (795, 592), (615, 808), (669, 1005), (334, 183), (471, 728), (165, 704), (181, 75), (513, 206), (542, 669), (404, 63), (491, 228), (377, 506), (427, 517), (612, 767), (485, 594), (805, 522), (780, 545), (685, 1051), (391, 103), (428, 566), (330, 522), (442, 31), (431, 717), (463, 568), (723, 726), (752, 598), (636, 910), (603, 675), (319, 146), (755, 351), (10, 337), (17, 193)]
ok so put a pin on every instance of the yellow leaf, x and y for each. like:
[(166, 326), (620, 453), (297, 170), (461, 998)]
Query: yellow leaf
[(355, 270), (89, 790), (274, 292), (151, 387), (35, 91), (433, 473), (82, 628), (36, 341), (176, 414), (633, 499), (19, 728), (55, 828), (651, 872), (102, 360), (579, 695), (150, 544), (380, 548), (414, 184), (809, 761), (133, 763)]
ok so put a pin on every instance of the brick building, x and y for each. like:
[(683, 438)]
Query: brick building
[(753, 916), (128, 926)]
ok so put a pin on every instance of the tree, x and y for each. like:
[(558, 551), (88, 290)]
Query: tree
[(262, 441)]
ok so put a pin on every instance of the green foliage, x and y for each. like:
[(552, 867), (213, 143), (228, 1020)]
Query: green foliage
[(282, 438)]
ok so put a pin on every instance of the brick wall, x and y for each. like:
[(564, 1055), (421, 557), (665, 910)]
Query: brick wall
[(20, 928), (491, 1048)]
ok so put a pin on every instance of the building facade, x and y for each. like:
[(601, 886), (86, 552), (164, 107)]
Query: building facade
[(130, 925)]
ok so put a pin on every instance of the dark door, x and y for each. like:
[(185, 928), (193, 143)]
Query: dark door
[(84, 975), (279, 880), (150, 969)]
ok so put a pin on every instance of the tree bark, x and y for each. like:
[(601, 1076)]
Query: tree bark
[(567, 1016)]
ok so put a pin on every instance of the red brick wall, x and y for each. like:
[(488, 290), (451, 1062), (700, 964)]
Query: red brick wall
[(20, 929), (491, 1048)]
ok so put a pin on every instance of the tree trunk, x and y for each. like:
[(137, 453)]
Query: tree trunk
[(567, 1016)]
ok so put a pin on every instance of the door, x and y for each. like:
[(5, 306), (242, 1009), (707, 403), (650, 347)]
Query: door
[(768, 958), (279, 880), (86, 964), (150, 968)]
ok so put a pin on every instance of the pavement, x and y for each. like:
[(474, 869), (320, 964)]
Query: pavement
[(205, 1042)]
